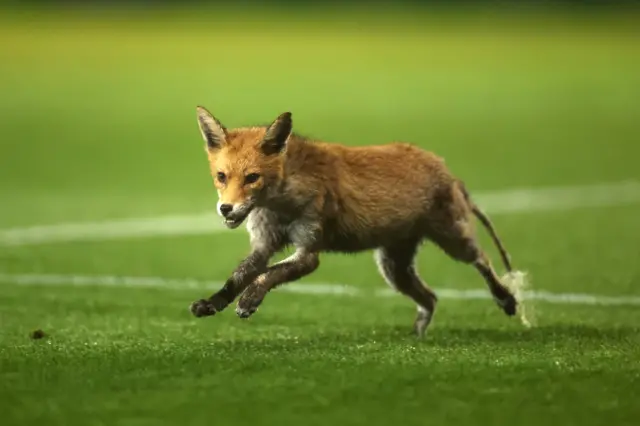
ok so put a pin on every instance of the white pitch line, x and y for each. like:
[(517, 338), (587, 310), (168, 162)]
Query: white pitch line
[(203, 223), (493, 202), (157, 282), (559, 198), (301, 288)]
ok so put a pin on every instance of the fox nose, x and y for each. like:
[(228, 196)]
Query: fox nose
[(225, 209)]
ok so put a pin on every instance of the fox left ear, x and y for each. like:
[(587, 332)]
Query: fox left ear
[(275, 140)]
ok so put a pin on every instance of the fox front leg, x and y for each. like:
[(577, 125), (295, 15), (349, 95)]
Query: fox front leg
[(246, 272), (298, 265)]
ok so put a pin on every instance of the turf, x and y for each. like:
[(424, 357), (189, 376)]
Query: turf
[(98, 122)]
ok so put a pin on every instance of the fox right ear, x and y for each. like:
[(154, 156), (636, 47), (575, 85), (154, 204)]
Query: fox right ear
[(275, 139), (213, 132)]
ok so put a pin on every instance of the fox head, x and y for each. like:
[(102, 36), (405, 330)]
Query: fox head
[(245, 163)]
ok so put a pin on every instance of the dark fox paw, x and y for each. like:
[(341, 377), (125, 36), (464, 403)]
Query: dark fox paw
[(208, 307), (508, 304)]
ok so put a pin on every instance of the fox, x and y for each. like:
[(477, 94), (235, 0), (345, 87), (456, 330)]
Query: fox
[(321, 197)]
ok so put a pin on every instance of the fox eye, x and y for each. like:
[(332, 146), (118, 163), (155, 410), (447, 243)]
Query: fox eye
[(251, 178), (222, 178)]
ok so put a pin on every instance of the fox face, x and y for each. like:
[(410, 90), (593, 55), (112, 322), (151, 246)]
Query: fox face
[(246, 163)]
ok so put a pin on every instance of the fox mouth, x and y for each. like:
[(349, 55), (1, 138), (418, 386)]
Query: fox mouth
[(234, 220), (234, 223)]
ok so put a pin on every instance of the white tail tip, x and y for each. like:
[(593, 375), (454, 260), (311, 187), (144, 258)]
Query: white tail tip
[(517, 283)]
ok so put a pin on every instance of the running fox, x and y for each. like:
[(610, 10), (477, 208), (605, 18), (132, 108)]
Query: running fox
[(326, 197)]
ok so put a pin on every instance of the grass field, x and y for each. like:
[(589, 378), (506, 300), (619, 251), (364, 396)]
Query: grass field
[(98, 125)]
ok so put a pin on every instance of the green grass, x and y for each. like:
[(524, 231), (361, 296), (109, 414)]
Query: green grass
[(98, 122)]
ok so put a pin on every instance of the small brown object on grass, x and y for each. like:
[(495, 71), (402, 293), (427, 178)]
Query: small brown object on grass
[(37, 334)]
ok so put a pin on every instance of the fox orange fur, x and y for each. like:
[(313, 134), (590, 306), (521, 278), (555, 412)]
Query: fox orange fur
[(326, 197)]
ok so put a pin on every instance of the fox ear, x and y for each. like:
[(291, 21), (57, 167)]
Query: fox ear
[(213, 132), (275, 140)]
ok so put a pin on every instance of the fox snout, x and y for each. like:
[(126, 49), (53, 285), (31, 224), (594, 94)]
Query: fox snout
[(234, 214)]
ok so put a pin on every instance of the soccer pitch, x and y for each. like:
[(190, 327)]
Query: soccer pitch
[(108, 229)]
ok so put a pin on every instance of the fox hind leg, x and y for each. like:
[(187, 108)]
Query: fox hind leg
[(460, 244), (396, 265), (501, 294)]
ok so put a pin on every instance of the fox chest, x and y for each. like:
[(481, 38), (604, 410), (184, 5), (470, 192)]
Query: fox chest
[(269, 229), (266, 227)]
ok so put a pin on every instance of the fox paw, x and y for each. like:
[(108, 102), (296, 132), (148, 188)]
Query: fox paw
[(208, 307), (508, 304), (250, 301)]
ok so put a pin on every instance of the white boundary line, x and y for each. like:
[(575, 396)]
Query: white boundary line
[(301, 288), (496, 202), (203, 223)]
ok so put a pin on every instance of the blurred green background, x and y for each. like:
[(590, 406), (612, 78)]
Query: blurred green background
[(97, 122), (98, 102)]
